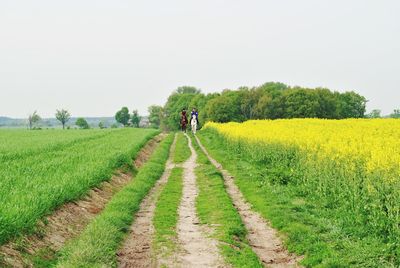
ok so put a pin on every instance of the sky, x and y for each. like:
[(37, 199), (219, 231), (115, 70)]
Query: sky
[(92, 57)]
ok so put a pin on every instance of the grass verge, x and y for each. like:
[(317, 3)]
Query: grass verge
[(166, 213), (309, 228), (182, 151), (97, 245), (215, 208)]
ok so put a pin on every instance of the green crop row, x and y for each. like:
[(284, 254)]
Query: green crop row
[(16, 144), (38, 183), (98, 244)]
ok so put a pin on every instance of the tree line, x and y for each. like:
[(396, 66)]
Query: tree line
[(269, 101), (63, 116)]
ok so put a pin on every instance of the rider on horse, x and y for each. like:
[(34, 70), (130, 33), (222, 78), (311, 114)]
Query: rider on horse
[(184, 120), (194, 114), (194, 120)]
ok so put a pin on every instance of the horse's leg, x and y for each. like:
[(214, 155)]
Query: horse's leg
[(194, 128)]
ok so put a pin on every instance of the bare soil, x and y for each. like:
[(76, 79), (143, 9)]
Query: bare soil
[(263, 239), (70, 219), (198, 248), (136, 250)]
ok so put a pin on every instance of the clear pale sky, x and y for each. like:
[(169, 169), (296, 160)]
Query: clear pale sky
[(94, 56)]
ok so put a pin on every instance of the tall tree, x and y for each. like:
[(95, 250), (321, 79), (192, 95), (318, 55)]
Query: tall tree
[(225, 108), (351, 105), (155, 116), (122, 116), (63, 116), (135, 119), (33, 119), (82, 123), (301, 103)]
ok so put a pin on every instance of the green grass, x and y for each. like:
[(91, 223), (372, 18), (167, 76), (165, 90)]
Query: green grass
[(215, 208), (17, 144), (182, 151), (166, 213), (54, 167), (98, 244), (309, 226)]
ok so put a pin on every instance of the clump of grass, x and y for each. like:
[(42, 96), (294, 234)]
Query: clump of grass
[(182, 151), (97, 245), (215, 208), (166, 213)]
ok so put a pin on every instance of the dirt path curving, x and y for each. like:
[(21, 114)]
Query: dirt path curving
[(198, 249), (263, 238), (136, 250), (70, 219)]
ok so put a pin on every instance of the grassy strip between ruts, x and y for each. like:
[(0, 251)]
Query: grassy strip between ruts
[(97, 245), (182, 151), (309, 230), (166, 214), (215, 208)]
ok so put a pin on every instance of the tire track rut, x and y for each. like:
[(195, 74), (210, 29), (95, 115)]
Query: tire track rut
[(263, 238), (136, 250), (198, 249)]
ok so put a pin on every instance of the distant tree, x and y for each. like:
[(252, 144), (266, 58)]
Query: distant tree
[(262, 108), (327, 107), (269, 101), (249, 101), (33, 119), (155, 116), (135, 118), (82, 123), (114, 125), (395, 114), (351, 105), (63, 116), (122, 116), (301, 103), (225, 108), (101, 125), (188, 90), (374, 114)]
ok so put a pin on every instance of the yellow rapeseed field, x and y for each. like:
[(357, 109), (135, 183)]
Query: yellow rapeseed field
[(376, 142)]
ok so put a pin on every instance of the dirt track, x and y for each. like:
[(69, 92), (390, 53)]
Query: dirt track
[(198, 249), (136, 250), (263, 239)]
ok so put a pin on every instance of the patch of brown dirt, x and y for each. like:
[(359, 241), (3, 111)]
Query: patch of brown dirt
[(264, 240), (136, 250), (70, 220), (198, 248)]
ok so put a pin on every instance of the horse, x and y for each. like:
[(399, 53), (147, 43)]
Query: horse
[(184, 121), (193, 123)]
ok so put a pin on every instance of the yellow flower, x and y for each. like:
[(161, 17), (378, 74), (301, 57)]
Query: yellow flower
[(374, 142)]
